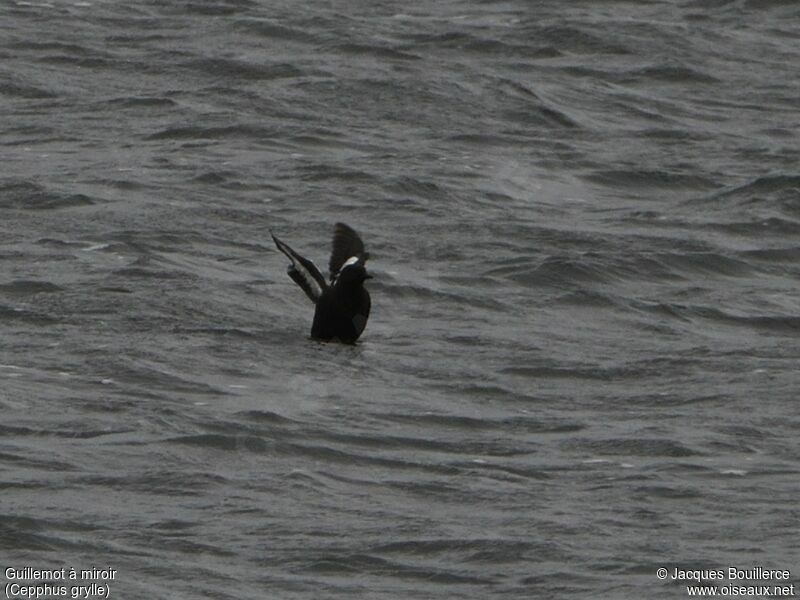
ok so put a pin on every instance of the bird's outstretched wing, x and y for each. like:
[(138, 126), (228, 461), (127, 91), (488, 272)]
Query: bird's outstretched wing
[(304, 272), (346, 244)]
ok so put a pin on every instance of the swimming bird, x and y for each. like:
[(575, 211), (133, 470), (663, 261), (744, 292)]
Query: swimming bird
[(342, 307)]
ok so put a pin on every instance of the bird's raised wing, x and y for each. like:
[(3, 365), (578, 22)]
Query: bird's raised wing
[(346, 245), (304, 272)]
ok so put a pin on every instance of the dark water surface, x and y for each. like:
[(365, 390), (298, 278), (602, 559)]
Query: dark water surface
[(582, 363)]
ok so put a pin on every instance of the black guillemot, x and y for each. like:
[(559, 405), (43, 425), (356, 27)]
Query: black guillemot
[(342, 307)]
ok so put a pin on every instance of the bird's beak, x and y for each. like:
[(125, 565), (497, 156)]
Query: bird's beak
[(367, 276)]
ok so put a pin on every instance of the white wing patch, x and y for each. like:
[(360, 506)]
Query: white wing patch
[(312, 288), (350, 261)]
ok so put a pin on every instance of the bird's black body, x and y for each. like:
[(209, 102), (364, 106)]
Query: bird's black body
[(343, 305)]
